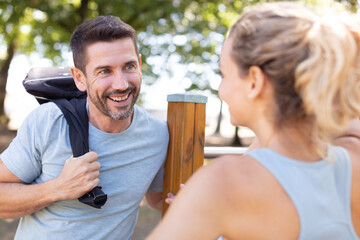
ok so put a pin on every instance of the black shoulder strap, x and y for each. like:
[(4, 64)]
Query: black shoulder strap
[(74, 111)]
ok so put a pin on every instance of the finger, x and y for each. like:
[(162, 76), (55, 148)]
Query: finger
[(169, 200), (94, 166), (90, 185), (182, 185), (93, 183), (89, 157), (170, 195), (93, 175)]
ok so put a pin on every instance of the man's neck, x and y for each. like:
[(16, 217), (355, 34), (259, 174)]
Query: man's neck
[(108, 124)]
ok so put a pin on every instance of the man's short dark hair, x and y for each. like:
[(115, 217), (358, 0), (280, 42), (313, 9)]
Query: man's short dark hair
[(102, 28)]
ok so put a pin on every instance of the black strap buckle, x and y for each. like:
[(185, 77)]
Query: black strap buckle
[(95, 198)]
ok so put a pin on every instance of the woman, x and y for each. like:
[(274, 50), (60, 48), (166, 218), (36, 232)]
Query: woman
[(294, 79)]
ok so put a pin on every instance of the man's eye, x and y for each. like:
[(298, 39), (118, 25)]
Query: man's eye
[(130, 67), (104, 71)]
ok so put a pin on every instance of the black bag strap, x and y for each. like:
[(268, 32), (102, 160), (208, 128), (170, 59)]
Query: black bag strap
[(57, 85), (74, 111)]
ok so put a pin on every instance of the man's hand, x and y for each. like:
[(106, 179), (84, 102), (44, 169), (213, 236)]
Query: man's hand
[(79, 176), (17, 198)]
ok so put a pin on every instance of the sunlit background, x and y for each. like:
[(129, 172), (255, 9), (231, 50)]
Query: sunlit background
[(183, 56)]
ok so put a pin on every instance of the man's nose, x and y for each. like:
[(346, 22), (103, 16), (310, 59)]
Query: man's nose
[(120, 82)]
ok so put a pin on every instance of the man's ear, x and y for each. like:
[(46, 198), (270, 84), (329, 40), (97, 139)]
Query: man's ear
[(256, 79), (140, 65), (79, 78), (140, 61)]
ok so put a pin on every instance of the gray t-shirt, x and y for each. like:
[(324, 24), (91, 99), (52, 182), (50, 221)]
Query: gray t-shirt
[(131, 163)]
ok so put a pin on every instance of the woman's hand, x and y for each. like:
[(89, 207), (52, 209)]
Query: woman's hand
[(170, 196)]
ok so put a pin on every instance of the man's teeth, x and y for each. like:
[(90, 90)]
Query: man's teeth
[(119, 99)]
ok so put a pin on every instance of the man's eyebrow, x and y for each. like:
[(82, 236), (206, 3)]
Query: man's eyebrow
[(101, 67), (109, 66), (131, 62)]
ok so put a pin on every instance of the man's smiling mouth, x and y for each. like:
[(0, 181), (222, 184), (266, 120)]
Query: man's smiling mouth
[(119, 98)]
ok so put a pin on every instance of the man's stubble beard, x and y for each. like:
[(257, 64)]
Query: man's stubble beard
[(100, 104)]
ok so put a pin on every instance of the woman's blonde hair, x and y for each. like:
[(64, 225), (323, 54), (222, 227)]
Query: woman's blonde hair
[(312, 62)]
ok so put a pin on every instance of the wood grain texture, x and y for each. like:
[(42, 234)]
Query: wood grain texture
[(186, 123)]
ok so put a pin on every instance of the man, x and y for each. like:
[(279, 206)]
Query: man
[(40, 181)]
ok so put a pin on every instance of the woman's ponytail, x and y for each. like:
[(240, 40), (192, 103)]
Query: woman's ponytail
[(328, 80)]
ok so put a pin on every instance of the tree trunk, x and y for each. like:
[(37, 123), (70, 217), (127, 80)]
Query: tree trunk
[(83, 10), (217, 130), (4, 72), (237, 140)]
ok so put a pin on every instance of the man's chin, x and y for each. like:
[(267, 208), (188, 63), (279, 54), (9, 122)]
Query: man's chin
[(121, 115)]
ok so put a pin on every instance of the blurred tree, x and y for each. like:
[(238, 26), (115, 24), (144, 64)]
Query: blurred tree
[(45, 26), (352, 5), (177, 31), (208, 22), (186, 30), (11, 20)]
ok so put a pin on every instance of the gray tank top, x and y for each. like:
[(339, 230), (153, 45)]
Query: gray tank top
[(319, 190)]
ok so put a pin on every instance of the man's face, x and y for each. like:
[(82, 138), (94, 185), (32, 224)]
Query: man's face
[(113, 78)]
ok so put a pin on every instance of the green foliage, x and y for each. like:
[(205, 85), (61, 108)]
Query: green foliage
[(191, 32)]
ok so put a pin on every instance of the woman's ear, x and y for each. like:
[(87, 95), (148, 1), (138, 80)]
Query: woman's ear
[(256, 79), (79, 78)]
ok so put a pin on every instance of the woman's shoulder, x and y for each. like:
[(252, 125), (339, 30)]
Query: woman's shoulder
[(350, 141), (247, 192), (241, 173), (240, 180)]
